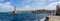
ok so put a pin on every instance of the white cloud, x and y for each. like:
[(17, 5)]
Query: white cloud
[(27, 7), (40, 4), (4, 7), (34, 4), (37, 4), (51, 0), (7, 3), (52, 6)]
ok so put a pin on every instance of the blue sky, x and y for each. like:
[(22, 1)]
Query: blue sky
[(7, 5)]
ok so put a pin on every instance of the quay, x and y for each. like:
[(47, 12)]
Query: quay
[(54, 18)]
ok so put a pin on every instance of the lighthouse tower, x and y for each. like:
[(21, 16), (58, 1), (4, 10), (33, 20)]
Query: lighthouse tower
[(14, 12)]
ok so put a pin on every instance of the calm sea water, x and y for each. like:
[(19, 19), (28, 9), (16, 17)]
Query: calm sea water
[(22, 17)]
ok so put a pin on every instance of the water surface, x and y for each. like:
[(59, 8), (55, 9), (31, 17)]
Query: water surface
[(22, 17)]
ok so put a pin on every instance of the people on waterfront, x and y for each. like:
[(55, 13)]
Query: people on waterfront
[(47, 19)]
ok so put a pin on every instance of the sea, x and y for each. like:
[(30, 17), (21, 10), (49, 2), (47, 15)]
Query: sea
[(22, 17)]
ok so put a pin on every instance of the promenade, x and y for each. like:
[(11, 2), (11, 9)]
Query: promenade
[(54, 18)]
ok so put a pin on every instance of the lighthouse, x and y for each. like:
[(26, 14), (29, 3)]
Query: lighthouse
[(14, 12)]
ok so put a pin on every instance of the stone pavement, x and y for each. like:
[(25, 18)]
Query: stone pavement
[(54, 18)]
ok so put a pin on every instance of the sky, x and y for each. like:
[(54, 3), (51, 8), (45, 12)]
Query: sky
[(8, 5)]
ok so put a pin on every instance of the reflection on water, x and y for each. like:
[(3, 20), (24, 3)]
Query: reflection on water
[(22, 17)]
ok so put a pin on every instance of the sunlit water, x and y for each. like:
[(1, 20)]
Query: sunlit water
[(22, 17)]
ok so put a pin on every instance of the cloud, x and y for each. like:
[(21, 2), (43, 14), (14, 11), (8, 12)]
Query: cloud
[(34, 4), (27, 7), (52, 6), (4, 7), (38, 3), (51, 0), (41, 4)]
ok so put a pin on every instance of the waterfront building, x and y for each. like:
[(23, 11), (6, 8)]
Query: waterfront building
[(58, 10)]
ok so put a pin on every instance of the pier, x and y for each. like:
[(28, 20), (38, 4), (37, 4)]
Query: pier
[(54, 18)]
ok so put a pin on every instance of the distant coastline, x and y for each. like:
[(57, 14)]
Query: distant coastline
[(34, 11)]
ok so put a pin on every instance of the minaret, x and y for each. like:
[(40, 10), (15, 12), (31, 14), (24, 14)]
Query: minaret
[(14, 12)]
